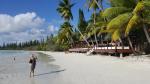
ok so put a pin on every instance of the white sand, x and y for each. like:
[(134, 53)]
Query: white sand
[(75, 68), (82, 69)]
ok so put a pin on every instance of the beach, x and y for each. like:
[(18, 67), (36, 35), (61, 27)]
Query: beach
[(78, 68)]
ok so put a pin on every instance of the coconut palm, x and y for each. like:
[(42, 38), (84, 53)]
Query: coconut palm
[(124, 16), (98, 26), (65, 32), (94, 4), (64, 9), (139, 17)]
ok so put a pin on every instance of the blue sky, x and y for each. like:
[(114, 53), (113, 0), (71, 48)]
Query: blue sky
[(43, 8), (22, 20)]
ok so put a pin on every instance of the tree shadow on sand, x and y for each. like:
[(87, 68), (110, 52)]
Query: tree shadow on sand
[(50, 72)]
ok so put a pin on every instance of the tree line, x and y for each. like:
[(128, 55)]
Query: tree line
[(48, 43), (20, 45)]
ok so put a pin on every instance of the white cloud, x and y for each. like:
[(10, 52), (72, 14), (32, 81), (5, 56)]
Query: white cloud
[(24, 27), (21, 36), (19, 22), (52, 29)]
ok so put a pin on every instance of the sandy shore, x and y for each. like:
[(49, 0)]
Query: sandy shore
[(82, 69), (76, 68)]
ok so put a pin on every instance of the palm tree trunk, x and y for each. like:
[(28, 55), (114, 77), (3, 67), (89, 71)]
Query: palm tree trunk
[(95, 28), (83, 37), (102, 9), (130, 43), (121, 42), (146, 33)]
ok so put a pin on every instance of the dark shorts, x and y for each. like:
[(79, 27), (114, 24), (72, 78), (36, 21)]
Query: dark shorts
[(32, 67)]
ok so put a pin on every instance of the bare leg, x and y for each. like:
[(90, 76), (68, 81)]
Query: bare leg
[(30, 73), (33, 73)]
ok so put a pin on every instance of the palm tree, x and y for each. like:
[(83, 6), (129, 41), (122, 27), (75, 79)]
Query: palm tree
[(124, 16), (99, 25), (65, 31), (94, 4), (65, 9), (139, 15)]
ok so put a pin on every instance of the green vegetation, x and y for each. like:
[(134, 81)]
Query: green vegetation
[(21, 45), (126, 22), (43, 44)]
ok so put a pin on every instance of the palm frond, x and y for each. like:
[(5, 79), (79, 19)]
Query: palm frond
[(135, 20), (108, 30), (139, 8), (147, 3), (117, 25), (64, 9), (65, 33), (112, 12), (116, 35), (123, 3), (141, 5), (120, 21)]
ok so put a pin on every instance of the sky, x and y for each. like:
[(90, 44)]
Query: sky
[(24, 20)]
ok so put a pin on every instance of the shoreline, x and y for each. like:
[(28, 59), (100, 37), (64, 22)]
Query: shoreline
[(78, 68)]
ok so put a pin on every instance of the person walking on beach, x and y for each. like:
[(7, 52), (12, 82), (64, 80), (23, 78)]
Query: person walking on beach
[(32, 61), (14, 58)]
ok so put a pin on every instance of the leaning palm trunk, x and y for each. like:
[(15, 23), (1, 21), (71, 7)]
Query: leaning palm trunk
[(121, 42), (146, 33), (95, 28), (84, 37), (130, 43), (96, 39)]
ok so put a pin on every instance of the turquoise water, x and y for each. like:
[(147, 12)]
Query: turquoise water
[(12, 70), (17, 71), (7, 57), (14, 53), (21, 62)]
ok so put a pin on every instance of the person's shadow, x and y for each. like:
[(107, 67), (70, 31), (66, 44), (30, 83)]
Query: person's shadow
[(50, 72)]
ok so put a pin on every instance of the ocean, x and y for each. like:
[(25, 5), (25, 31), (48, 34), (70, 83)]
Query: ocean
[(12, 69)]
